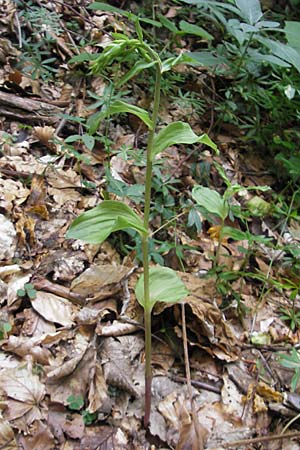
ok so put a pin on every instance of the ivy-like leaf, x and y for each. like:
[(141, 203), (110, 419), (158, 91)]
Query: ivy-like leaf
[(178, 133), (211, 200), (164, 285), (95, 225)]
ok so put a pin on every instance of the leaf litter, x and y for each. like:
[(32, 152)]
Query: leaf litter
[(81, 335)]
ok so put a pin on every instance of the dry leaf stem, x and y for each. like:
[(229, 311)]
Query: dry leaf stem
[(188, 381)]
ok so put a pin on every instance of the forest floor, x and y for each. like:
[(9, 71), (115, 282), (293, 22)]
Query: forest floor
[(71, 330)]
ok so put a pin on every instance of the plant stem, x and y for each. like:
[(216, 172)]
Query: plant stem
[(145, 248)]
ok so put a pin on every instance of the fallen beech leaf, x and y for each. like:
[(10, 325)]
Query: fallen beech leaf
[(99, 282), (26, 392), (53, 308)]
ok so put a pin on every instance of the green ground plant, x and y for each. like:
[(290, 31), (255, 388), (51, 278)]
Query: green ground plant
[(256, 59), (94, 226)]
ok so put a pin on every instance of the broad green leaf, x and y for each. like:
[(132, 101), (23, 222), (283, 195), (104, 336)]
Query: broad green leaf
[(95, 225), (178, 133), (137, 68), (190, 28), (207, 59), (250, 9), (118, 107), (283, 51), (210, 200), (260, 57), (292, 30), (164, 285)]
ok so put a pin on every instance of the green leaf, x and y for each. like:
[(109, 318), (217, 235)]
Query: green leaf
[(139, 30), (164, 285), (283, 51), (207, 59), (118, 107), (89, 141), (292, 30), (89, 418), (259, 207), (137, 68), (190, 28), (178, 133), (233, 233), (250, 9), (31, 294), (167, 23), (73, 138), (211, 200), (183, 58), (75, 402), (21, 292), (95, 225), (83, 57)]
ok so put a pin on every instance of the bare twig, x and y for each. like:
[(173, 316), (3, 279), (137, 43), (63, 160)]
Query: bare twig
[(259, 439)]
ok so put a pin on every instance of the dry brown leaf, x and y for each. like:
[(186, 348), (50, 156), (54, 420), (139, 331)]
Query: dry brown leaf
[(25, 346), (268, 393), (25, 393), (12, 193), (71, 377), (98, 389), (15, 283), (99, 282), (62, 179), (188, 438), (38, 438), (25, 226), (7, 437), (206, 320), (53, 308), (35, 325), (65, 196), (118, 357), (36, 201), (7, 238)]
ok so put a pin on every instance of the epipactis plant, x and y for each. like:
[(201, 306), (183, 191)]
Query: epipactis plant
[(157, 284)]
